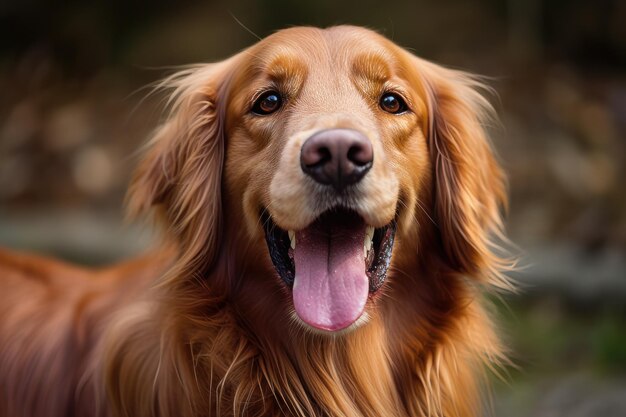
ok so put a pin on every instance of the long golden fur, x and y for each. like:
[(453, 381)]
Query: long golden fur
[(204, 327)]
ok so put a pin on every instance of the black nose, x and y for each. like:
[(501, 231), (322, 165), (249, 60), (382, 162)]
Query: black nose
[(337, 157)]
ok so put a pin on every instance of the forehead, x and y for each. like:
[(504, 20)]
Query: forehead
[(298, 53)]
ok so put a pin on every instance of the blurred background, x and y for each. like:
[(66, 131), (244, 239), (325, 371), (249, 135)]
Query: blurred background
[(73, 115)]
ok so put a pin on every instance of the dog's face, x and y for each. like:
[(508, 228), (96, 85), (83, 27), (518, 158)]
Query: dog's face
[(320, 130), (334, 150)]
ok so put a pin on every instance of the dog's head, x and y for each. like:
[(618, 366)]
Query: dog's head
[(336, 155)]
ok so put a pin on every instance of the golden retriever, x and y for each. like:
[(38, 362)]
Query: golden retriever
[(330, 204)]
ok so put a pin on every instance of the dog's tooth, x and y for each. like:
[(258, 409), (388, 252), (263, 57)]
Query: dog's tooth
[(367, 244), (292, 239), (370, 232)]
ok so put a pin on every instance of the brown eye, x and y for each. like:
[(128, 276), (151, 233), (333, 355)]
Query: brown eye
[(393, 103), (267, 103)]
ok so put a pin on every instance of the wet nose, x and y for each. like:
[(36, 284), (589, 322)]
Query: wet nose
[(337, 157)]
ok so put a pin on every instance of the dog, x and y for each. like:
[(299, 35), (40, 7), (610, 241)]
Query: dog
[(331, 210)]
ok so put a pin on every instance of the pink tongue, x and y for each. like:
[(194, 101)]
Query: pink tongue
[(330, 288)]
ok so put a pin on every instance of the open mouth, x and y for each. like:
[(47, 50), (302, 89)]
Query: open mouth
[(332, 265)]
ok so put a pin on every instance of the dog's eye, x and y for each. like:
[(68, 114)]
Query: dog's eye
[(393, 103), (267, 103)]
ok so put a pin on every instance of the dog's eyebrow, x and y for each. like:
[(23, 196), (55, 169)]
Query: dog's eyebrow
[(373, 67), (284, 68), (285, 71)]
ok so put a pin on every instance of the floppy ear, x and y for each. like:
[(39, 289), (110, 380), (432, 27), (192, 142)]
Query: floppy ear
[(469, 184), (181, 171)]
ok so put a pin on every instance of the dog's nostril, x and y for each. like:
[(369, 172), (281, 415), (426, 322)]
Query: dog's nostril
[(360, 155), (337, 157), (315, 154), (323, 156)]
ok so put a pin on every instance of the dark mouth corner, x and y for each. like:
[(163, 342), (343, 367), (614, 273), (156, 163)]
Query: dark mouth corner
[(377, 260), (279, 248)]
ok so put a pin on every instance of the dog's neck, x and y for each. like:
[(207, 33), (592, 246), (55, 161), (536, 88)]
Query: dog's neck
[(255, 357), (239, 353)]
